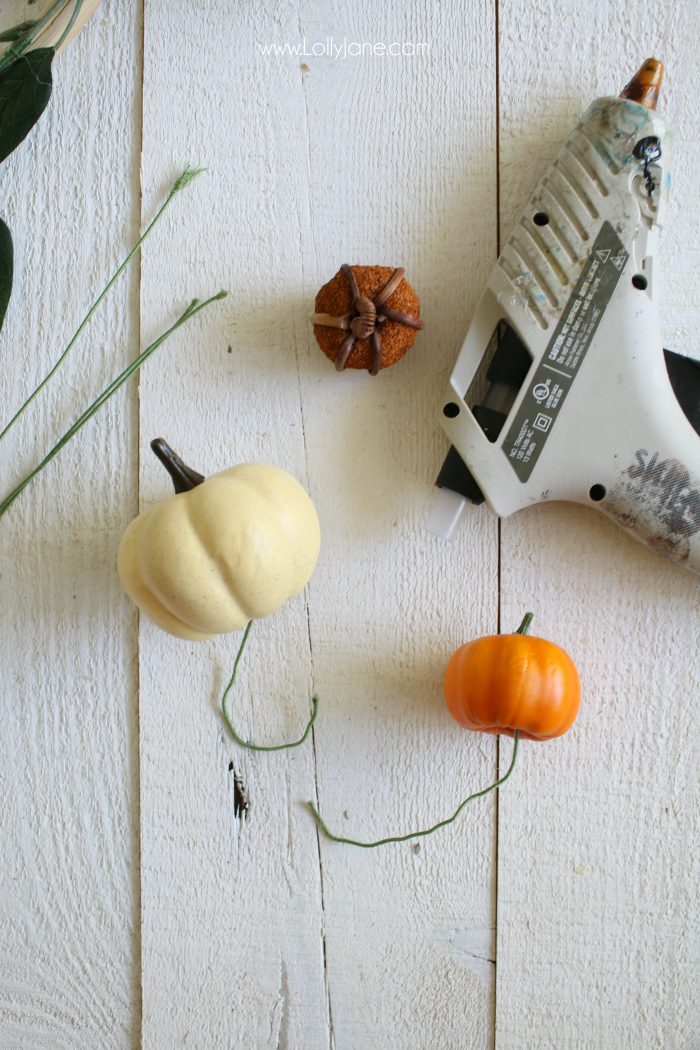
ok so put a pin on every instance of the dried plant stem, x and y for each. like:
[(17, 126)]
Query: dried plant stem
[(194, 308), (183, 180)]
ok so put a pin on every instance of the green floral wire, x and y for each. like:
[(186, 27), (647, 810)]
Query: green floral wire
[(227, 718), (426, 831), (522, 629)]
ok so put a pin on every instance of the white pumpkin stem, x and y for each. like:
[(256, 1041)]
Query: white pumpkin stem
[(227, 718), (184, 478)]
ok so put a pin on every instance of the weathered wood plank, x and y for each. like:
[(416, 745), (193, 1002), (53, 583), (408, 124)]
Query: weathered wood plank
[(232, 937), (68, 748), (375, 160), (401, 171), (596, 891)]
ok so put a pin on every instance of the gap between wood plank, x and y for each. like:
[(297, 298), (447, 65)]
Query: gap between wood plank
[(138, 947), (324, 947), (499, 536)]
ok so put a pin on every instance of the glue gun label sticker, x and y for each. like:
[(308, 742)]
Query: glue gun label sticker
[(554, 377)]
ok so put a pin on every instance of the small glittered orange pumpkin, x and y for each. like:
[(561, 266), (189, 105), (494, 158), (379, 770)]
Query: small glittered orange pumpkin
[(507, 682)]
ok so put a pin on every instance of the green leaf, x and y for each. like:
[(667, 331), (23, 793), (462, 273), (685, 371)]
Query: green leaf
[(5, 269), (25, 89)]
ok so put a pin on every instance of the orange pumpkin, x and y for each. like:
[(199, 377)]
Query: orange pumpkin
[(506, 682)]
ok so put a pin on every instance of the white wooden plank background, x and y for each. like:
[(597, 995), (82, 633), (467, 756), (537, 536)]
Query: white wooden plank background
[(563, 914), (597, 904), (68, 745)]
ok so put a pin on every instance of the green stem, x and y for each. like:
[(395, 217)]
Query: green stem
[(428, 831), (183, 180), (194, 308), (227, 717), (8, 35), (71, 23), (24, 41), (525, 625)]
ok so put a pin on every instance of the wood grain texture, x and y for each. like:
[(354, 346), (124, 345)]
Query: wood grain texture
[(597, 881), (401, 171), (343, 159), (68, 770), (563, 916), (231, 919)]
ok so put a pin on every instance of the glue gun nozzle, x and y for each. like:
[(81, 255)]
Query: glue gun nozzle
[(645, 85)]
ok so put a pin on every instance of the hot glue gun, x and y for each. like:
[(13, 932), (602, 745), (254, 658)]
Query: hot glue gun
[(562, 389)]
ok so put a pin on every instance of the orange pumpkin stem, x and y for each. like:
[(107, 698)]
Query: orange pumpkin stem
[(525, 625), (427, 831)]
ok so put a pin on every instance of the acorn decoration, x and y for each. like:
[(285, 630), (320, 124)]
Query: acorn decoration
[(366, 317)]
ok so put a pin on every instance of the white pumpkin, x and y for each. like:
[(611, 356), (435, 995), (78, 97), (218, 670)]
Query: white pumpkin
[(234, 548)]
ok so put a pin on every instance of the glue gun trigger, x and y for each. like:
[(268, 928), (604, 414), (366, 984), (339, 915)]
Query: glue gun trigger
[(684, 373), (456, 475)]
